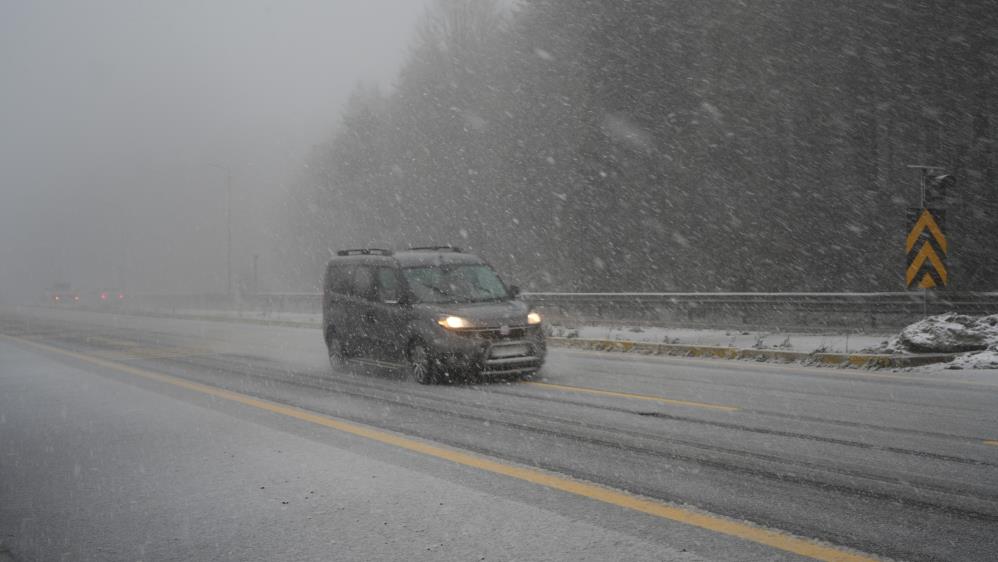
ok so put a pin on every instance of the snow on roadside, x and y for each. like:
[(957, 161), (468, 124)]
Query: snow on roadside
[(741, 339), (950, 333), (987, 359), (974, 337)]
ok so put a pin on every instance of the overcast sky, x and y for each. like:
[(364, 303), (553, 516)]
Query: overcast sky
[(116, 119)]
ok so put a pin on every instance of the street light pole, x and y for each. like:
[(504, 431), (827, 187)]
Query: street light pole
[(256, 285), (228, 228)]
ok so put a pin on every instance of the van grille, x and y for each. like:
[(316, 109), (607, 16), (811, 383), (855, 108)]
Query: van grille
[(493, 334)]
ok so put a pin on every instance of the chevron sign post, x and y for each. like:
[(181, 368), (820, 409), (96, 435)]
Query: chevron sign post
[(927, 249)]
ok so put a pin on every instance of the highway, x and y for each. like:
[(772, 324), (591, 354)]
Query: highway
[(131, 437)]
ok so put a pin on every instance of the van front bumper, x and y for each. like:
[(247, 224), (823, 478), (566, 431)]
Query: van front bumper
[(486, 352)]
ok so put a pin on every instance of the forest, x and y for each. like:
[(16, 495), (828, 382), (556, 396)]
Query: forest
[(669, 145)]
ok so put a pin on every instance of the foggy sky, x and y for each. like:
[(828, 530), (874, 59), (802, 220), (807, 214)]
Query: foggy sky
[(116, 119)]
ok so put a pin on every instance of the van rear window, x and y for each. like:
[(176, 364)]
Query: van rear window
[(354, 280)]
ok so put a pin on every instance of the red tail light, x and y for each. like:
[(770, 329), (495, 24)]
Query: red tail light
[(121, 296), (103, 296)]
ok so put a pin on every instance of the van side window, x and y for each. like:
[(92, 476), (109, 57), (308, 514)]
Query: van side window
[(363, 282), (388, 285), (339, 279)]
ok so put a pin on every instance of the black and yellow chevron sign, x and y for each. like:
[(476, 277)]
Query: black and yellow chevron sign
[(927, 248)]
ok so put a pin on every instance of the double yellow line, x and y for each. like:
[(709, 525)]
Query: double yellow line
[(774, 539)]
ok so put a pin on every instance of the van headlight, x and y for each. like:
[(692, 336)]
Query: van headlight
[(453, 322), (533, 318)]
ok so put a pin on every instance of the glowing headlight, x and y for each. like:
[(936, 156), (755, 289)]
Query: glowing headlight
[(453, 322), (533, 318)]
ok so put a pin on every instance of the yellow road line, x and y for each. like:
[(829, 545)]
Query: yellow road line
[(718, 524), (598, 392), (991, 442)]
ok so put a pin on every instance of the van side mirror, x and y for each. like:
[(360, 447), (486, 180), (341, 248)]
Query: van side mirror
[(514, 291)]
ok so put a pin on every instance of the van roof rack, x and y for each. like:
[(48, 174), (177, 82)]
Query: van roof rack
[(365, 252), (447, 248)]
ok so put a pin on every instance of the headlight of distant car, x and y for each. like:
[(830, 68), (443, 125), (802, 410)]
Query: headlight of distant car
[(453, 322), (533, 318)]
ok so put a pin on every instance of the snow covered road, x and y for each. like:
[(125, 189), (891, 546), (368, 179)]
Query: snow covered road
[(894, 464)]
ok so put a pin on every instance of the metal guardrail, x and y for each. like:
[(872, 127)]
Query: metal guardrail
[(852, 302), (784, 310)]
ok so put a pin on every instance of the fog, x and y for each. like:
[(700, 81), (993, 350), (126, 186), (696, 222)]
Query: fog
[(498, 279), (119, 120), (576, 146)]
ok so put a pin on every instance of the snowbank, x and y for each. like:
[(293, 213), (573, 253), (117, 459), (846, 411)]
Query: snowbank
[(950, 333), (987, 359), (974, 337)]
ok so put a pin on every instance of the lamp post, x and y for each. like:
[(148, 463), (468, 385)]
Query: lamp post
[(228, 228), (256, 286)]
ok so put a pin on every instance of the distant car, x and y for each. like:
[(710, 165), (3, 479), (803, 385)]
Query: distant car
[(63, 294), (106, 298), (437, 312)]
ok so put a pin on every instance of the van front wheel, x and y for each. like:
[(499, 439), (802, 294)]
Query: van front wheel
[(420, 366)]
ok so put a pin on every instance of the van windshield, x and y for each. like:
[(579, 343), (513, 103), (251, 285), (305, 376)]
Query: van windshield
[(455, 283)]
